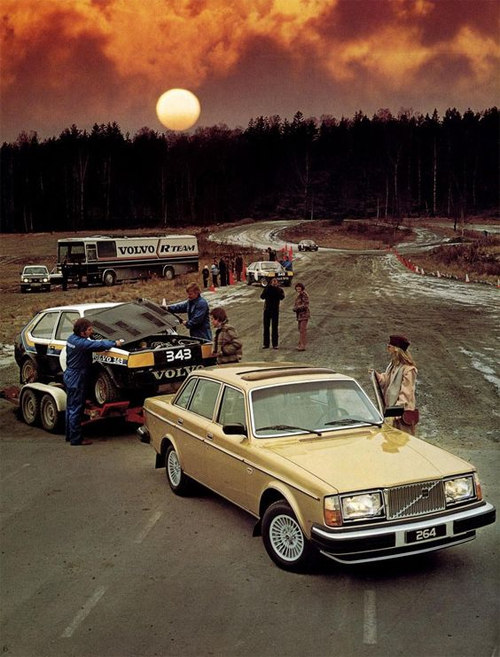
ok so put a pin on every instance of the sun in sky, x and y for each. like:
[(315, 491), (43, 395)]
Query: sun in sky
[(178, 109)]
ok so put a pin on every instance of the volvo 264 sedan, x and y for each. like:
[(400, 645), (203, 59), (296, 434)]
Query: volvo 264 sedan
[(153, 352), (306, 452)]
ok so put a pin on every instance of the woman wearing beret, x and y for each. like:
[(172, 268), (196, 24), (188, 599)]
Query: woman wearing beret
[(398, 383)]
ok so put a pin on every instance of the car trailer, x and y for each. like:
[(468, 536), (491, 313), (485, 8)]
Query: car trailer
[(44, 404)]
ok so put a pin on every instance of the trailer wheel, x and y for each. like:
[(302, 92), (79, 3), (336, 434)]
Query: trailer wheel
[(30, 407), (29, 371), (169, 273), (50, 417), (105, 390), (109, 278)]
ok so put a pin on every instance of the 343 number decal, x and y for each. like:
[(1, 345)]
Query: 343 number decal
[(181, 354)]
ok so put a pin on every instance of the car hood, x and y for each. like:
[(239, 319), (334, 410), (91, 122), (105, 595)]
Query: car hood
[(131, 321), (369, 458)]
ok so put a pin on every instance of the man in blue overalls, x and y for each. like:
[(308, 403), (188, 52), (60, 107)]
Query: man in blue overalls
[(79, 348)]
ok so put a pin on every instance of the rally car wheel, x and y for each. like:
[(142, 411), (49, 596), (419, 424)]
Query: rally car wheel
[(50, 417), (283, 538), (177, 480), (30, 407), (105, 390), (263, 282), (29, 371)]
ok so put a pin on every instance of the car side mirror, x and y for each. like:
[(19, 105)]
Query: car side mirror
[(236, 429), (394, 411)]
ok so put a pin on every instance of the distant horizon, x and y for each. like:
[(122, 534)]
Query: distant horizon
[(163, 130)]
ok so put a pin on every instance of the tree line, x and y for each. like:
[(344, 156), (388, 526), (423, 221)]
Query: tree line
[(386, 166)]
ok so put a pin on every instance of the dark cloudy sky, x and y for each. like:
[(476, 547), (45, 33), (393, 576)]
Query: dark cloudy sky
[(98, 61)]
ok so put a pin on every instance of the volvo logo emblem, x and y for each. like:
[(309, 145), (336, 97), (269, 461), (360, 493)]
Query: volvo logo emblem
[(425, 493)]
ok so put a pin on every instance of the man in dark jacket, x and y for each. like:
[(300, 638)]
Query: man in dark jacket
[(196, 307), (272, 295), (79, 348)]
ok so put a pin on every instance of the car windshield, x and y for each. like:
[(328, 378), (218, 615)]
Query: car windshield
[(40, 271), (310, 407), (271, 266)]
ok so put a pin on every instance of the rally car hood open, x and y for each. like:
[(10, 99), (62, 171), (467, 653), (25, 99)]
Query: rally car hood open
[(132, 321)]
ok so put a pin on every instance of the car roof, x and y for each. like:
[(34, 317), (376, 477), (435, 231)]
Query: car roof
[(82, 307), (255, 375)]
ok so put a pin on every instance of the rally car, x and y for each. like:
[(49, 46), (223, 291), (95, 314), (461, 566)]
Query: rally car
[(153, 352)]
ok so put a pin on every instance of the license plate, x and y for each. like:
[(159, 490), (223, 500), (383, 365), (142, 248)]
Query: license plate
[(418, 535)]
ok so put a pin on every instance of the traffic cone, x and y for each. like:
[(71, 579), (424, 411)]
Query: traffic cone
[(164, 303), (467, 278), (212, 288), (231, 278)]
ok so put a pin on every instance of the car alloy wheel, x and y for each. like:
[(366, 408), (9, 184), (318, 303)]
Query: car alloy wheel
[(177, 480), (284, 539)]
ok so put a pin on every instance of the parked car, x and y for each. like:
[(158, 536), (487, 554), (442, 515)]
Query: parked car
[(264, 271), (308, 245), (153, 352), (35, 277), (305, 451)]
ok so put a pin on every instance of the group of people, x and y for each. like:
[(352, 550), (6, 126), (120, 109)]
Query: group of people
[(221, 270), (397, 383)]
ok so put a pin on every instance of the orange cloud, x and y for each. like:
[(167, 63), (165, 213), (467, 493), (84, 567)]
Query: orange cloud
[(107, 57)]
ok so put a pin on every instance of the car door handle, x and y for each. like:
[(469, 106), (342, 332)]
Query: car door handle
[(210, 436), (179, 421)]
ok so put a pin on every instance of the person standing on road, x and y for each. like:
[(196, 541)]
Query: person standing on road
[(238, 266), (301, 309), (214, 270), (398, 383), (205, 272), (79, 348), (223, 271), (272, 295), (196, 307), (227, 345)]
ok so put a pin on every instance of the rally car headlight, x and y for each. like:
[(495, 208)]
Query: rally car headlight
[(459, 489), (25, 280), (366, 505), (45, 280)]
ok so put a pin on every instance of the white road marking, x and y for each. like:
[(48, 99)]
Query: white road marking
[(84, 612), (16, 472), (149, 526), (370, 619)]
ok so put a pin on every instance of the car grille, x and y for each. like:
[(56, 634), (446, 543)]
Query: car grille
[(415, 499)]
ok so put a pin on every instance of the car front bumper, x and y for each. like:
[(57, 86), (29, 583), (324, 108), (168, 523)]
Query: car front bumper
[(389, 541)]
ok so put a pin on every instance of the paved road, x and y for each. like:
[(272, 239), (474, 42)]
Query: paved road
[(100, 559)]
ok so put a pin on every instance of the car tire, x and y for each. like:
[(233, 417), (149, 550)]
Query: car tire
[(29, 372), (263, 282), (30, 407), (109, 278), (179, 483), (50, 417), (284, 539), (169, 274), (105, 389)]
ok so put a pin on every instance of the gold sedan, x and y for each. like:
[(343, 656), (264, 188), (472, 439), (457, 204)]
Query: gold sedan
[(305, 451)]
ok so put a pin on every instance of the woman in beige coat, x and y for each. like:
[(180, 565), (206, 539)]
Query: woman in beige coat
[(398, 383), (301, 309)]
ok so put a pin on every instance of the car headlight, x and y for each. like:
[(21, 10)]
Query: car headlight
[(25, 280), (459, 489), (366, 505), (45, 280)]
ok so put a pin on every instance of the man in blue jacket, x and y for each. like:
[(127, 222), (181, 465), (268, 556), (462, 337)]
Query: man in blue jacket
[(196, 307), (79, 348)]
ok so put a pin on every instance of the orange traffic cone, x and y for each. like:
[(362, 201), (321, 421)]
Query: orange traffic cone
[(212, 288), (231, 278)]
